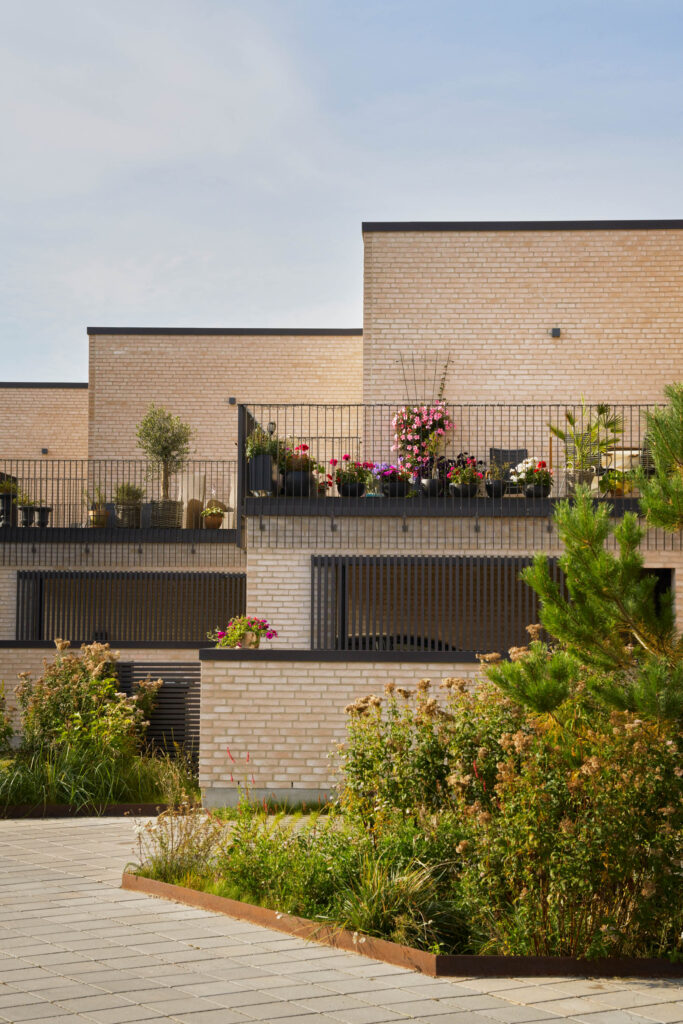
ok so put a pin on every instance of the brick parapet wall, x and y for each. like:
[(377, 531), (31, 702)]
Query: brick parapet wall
[(193, 376), (81, 555), (489, 298), (288, 716), (32, 418)]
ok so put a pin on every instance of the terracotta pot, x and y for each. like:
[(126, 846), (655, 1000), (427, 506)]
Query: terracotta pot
[(98, 517), (251, 640), (212, 522)]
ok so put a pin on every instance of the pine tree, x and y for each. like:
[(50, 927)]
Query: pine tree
[(662, 494)]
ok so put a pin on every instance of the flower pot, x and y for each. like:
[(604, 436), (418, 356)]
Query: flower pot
[(212, 522), (536, 491), (167, 514), (352, 489), (6, 501), (41, 516), (128, 514), (395, 488), (584, 476), (432, 487), (98, 517), (496, 488), (262, 473), (252, 640), (26, 514), (464, 490), (298, 483)]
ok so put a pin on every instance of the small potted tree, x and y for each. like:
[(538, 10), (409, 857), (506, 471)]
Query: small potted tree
[(26, 507), (262, 451), (243, 631), (165, 440), (97, 508), (127, 505)]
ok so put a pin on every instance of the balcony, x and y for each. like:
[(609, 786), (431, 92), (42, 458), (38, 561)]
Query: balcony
[(115, 501)]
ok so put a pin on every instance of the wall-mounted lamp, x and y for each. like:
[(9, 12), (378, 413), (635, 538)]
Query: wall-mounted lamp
[(232, 401), (43, 451), (554, 332), (272, 427)]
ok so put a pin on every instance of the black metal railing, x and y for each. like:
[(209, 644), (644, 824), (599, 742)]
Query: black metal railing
[(437, 458), (46, 494)]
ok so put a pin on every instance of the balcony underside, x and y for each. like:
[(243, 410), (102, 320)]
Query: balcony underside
[(446, 507)]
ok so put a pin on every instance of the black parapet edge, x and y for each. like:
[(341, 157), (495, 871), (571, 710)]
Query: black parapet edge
[(369, 227), (54, 385), (416, 508), (112, 535), (296, 654), (115, 644), (272, 332)]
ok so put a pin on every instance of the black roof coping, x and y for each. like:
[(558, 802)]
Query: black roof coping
[(39, 384), (297, 654), (521, 225), (290, 332)]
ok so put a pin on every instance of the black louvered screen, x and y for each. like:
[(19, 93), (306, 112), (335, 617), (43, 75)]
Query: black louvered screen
[(421, 603), (174, 722), (162, 607)]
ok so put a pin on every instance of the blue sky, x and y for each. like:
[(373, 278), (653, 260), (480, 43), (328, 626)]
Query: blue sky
[(209, 162)]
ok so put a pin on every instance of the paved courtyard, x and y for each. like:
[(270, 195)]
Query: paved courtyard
[(74, 947)]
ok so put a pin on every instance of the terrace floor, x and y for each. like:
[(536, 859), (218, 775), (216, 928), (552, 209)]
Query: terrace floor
[(75, 947)]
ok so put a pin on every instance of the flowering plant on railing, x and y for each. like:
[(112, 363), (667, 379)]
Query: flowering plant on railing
[(466, 470), (417, 428), (349, 472), (532, 472), (297, 457), (387, 471), (243, 631)]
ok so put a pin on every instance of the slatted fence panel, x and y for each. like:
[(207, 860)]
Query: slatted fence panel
[(175, 718)]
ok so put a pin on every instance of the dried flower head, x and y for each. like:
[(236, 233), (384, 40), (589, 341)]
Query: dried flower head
[(489, 659), (534, 630), (517, 653)]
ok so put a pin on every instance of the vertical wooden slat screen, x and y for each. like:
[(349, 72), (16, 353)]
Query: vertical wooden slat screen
[(164, 607), (421, 603)]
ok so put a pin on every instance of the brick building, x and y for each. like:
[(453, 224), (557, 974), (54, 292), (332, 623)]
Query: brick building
[(511, 324)]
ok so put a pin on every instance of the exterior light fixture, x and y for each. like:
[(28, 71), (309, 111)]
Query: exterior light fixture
[(232, 401), (554, 332), (43, 451)]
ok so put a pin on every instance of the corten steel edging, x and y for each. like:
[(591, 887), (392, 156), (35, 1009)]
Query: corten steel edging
[(434, 965), (67, 811)]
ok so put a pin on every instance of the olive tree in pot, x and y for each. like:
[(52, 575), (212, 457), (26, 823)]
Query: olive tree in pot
[(165, 440)]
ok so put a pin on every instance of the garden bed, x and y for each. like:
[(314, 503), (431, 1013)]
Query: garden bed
[(431, 964), (69, 811)]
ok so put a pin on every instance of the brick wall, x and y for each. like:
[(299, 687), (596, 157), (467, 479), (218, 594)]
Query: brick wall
[(34, 417), (194, 376), (288, 716), (279, 584), (489, 298)]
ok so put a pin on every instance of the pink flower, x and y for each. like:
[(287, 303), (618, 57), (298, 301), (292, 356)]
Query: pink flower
[(345, 458), (333, 462)]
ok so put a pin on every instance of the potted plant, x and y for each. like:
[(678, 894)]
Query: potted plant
[(165, 440), (261, 450), (298, 466), (465, 475), (496, 479), (616, 482), (9, 489), (127, 505), (26, 507), (534, 476), (416, 430), (243, 631), (97, 508), (351, 478), (394, 481), (212, 517), (434, 467), (587, 439)]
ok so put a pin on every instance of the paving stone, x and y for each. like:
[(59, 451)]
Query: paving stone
[(666, 1013)]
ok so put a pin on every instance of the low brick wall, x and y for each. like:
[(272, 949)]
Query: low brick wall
[(281, 714)]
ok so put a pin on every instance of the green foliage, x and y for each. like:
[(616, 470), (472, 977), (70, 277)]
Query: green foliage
[(128, 494), (165, 440), (6, 731), (589, 435), (260, 442), (661, 495)]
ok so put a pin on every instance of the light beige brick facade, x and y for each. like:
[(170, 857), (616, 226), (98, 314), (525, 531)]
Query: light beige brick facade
[(193, 376), (288, 716), (488, 298), (35, 416)]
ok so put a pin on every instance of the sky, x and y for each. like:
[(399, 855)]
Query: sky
[(208, 163)]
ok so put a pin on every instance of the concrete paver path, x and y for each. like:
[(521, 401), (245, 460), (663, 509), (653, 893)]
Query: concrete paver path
[(75, 947)]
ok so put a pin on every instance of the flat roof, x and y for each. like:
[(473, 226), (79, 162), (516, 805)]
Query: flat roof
[(521, 225), (39, 384), (293, 332)]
